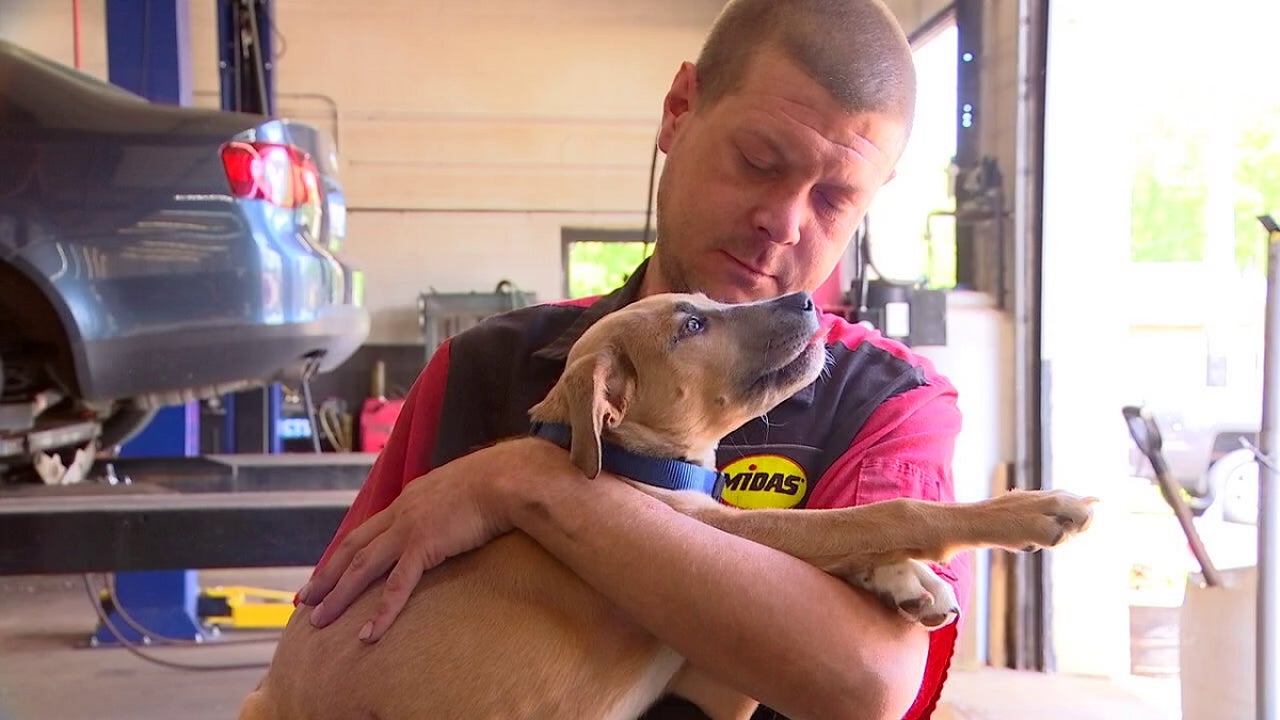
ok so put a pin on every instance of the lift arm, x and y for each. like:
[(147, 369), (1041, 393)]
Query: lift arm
[(128, 531)]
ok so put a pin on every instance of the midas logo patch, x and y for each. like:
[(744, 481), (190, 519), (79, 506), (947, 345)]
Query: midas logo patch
[(764, 481)]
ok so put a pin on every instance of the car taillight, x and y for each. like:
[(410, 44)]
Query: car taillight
[(280, 174)]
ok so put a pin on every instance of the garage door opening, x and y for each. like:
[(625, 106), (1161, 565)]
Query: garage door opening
[(1153, 295)]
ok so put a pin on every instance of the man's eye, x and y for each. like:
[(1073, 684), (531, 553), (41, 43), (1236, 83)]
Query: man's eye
[(693, 326), (754, 163), (826, 206)]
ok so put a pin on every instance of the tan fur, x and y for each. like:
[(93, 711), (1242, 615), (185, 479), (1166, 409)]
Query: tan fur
[(507, 631)]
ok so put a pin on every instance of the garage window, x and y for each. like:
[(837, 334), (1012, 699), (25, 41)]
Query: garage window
[(598, 261)]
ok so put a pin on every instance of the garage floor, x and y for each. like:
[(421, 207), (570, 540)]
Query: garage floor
[(44, 675)]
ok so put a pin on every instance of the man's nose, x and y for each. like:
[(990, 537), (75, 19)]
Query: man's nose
[(779, 216)]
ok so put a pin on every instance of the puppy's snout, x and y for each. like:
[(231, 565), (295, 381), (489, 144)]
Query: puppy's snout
[(791, 317), (800, 301)]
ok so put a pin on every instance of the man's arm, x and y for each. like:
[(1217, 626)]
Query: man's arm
[(765, 623), (407, 454), (721, 601), (793, 637)]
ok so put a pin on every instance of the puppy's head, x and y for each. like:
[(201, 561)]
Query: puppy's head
[(670, 375)]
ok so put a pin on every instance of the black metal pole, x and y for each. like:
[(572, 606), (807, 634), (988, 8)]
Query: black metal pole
[(969, 119), (1029, 638)]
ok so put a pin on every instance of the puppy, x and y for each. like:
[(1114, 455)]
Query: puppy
[(507, 631)]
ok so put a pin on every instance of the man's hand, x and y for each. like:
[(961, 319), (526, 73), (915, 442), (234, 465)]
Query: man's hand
[(450, 510)]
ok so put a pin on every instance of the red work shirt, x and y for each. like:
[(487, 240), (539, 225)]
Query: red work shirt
[(900, 417)]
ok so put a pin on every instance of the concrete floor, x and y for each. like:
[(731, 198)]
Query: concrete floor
[(45, 675), (996, 694)]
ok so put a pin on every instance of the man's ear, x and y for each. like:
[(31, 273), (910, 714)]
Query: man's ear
[(597, 389), (678, 103)]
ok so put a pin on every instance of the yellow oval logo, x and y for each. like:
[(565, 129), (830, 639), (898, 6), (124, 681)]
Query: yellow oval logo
[(764, 481)]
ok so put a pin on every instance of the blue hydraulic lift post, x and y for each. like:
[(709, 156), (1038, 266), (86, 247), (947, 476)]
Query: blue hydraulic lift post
[(148, 53)]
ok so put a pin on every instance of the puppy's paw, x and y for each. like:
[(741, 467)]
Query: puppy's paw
[(914, 590), (1042, 519)]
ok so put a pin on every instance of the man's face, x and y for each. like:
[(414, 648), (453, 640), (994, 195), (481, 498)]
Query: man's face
[(763, 189)]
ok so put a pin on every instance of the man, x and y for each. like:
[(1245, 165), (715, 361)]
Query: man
[(776, 142)]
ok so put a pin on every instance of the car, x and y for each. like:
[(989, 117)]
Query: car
[(1235, 475), (1202, 446), (154, 254)]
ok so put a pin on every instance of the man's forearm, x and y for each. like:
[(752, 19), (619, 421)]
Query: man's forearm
[(792, 636)]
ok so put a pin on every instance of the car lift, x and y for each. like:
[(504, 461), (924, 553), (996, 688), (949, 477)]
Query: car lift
[(231, 511), (244, 608), (177, 510)]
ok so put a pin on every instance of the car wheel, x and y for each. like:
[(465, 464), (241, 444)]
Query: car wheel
[(1236, 477)]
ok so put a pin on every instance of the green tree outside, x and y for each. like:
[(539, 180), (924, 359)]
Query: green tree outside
[(1257, 187), (596, 268), (1170, 190)]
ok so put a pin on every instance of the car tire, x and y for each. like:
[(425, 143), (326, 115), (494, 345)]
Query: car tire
[(1235, 475)]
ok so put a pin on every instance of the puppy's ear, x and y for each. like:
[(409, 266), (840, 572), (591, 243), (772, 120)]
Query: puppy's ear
[(597, 389)]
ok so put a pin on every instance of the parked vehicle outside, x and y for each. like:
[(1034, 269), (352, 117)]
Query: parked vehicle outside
[(1202, 435)]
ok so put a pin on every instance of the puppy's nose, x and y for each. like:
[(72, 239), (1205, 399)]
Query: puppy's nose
[(801, 301)]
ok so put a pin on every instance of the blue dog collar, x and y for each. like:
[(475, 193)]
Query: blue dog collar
[(658, 472)]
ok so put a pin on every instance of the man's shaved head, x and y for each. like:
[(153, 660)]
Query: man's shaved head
[(777, 139), (854, 49)]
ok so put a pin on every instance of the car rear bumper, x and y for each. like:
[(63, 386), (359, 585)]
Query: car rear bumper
[(201, 361)]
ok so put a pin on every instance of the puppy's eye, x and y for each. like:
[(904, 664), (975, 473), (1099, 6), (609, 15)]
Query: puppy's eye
[(693, 326)]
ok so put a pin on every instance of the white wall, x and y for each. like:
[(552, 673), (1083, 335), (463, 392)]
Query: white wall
[(45, 26)]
